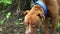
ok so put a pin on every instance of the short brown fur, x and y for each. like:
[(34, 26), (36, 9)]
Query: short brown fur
[(34, 17)]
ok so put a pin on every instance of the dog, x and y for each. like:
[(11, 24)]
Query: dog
[(33, 17)]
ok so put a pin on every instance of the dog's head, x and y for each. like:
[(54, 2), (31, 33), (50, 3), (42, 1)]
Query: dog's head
[(32, 19)]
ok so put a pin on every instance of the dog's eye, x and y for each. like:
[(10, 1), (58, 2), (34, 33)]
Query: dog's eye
[(39, 15)]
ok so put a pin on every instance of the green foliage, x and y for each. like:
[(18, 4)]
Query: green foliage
[(58, 25), (5, 2), (17, 23), (8, 14), (2, 22)]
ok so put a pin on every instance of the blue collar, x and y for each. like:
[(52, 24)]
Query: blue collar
[(41, 3)]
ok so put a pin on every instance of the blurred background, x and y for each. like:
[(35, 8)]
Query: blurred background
[(11, 21)]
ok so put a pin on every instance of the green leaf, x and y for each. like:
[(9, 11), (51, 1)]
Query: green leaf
[(58, 25), (6, 1), (1, 22), (16, 23), (8, 15)]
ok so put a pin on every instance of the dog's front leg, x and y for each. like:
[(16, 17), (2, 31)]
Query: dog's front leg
[(54, 24), (53, 13), (54, 19)]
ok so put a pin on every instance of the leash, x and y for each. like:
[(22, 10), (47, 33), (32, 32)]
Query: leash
[(42, 4)]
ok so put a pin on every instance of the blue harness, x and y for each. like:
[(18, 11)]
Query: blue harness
[(41, 3)]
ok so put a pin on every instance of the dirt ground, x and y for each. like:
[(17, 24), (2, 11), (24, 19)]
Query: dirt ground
[(15, 26)]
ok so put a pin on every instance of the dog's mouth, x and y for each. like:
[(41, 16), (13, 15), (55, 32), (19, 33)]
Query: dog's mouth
[(31, 31)]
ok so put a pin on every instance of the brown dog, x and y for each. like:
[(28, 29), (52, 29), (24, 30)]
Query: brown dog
[(33, 17)]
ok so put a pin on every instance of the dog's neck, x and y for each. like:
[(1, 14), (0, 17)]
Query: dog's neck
[(42, 4)]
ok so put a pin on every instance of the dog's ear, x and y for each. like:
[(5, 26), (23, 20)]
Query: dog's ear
[(41, 16), (26, 12)]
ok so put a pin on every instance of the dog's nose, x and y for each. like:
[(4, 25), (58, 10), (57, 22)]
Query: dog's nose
[(27, 32)]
